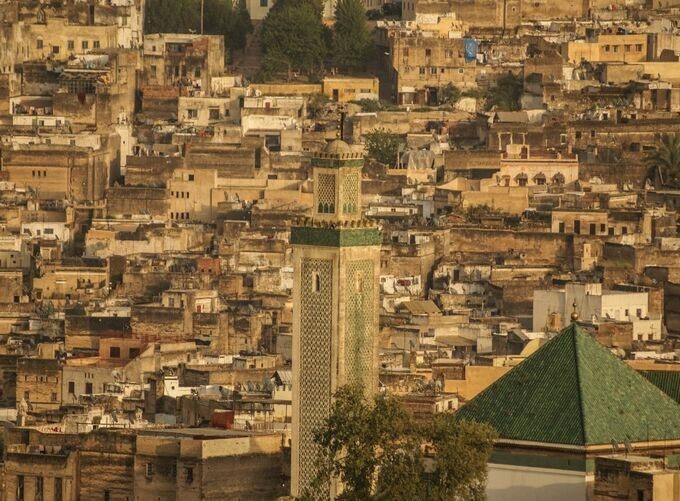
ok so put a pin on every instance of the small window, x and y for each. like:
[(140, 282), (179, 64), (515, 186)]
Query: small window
[(192, 113), (433, 70), (422, 70), (148, 471), (95, 44), (85, 44), (638, 47), (134, 352), (316, 282), (27, 395), (428, 52), (152, 70), (54, 396), (191, 177), (189, 475), (39, 494), (72, 387), (114, 352), (264, 3), (70, 45), (214, 113), (107, 495), (88, 388), (55, 49), (197, 72), (638, 312), (39, 43)]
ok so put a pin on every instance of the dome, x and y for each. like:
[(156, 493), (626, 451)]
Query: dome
[(337, 147)]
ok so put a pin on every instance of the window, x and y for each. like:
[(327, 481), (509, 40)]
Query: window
[(214, 113), (84, 44), (39, 43), (191, 177), (626, 313), (433, 70), (148, 471), (592, 133), (53, 396), (405, 52), (27, 395), (114, 352), (39, 488), (624, 230), (72, 387), (152, 70), (55, 49), (189, 474), (316, 282), (638, 312), (607, 48), (49, 231), (638, 47), (70, 45), (422, 70), (616, 48), (428, 52), (626, 48), (88, 388), (95, 44), (107, 495), (578, 134), (264, 3), (448, 54), (192, 113), (134, 352), (20, 488), (58, 489), (603, 228), (173, 470)]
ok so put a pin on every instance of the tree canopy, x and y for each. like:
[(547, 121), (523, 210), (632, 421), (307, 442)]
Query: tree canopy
[(666, 158), (506, 94), (184, 16), (379, 451), (383, 146), (292, 37), (352, 44)]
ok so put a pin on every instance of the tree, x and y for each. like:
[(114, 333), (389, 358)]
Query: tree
[(351, 38), (383, 146), (184, 16), (449, 94), (506, 94), (379, 451), (292, 37), (666, 158)]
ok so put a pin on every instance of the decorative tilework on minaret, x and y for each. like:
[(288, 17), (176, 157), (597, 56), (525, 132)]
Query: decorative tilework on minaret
[(336, 254)]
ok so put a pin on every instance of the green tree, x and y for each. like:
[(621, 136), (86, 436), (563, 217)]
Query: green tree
[(666, 158), (184, 16), (352, 43), (379, 451), (449, 94), (506, 94), (383, 146), (292, 37)]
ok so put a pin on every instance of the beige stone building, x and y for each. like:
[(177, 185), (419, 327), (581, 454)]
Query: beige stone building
[(418, 62), (336, 256)]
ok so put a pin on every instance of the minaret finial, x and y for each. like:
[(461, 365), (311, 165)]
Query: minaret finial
[(574, 314)]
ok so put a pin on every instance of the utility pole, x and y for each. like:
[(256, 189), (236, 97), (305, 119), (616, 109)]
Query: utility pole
[(202, 4)]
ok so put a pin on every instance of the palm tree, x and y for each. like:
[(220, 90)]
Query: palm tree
[(666, 158)]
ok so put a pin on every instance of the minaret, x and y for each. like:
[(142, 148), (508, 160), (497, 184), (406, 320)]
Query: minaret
[(336, 255)]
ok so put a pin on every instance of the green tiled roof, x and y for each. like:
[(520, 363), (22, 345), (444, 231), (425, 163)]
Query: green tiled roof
[(666, 381), (573, 391)]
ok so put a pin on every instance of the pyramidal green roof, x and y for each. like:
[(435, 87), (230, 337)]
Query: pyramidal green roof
[(573, 391)]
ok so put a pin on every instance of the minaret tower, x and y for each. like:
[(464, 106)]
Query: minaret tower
[(336, 255)]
